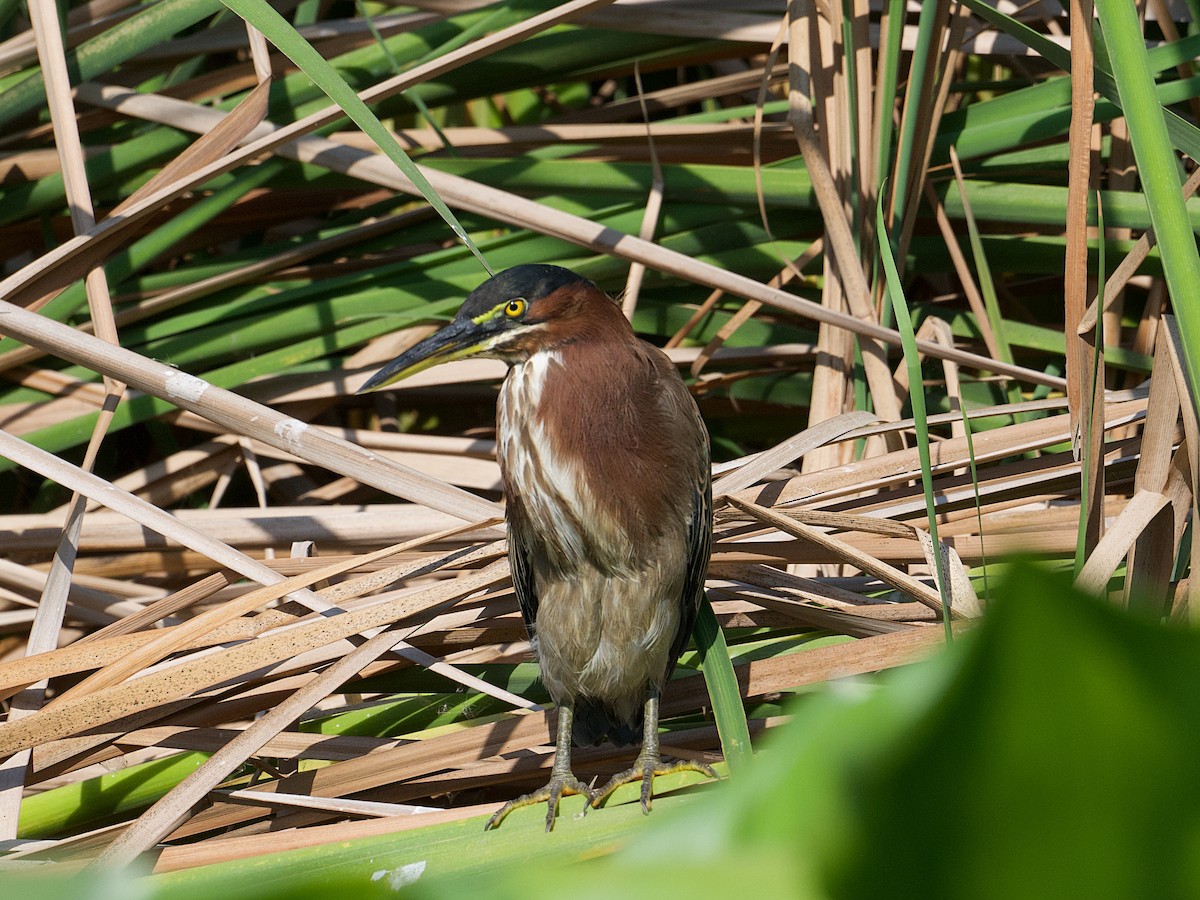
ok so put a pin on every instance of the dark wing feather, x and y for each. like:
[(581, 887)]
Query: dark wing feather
[(699, 540), (519, 563)]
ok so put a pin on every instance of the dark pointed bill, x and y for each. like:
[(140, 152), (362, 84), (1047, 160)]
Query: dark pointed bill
[(459, 339)]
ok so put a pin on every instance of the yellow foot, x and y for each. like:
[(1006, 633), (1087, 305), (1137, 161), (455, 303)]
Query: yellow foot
[(645, 770), (560, 786)]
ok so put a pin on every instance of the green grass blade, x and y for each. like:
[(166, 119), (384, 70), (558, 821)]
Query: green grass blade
[(1123, 36), (983, 271), (83, 804), (1158, 169), (153, 26), (722, 689), (889, 65), (928, 21), (916, 398), (277, 30)]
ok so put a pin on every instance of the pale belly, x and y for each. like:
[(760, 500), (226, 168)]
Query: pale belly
[(605, 637)]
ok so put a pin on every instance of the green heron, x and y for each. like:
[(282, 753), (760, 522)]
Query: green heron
[(605, 465)]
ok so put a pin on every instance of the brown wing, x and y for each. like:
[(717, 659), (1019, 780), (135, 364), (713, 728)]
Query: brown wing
[(700, 521)]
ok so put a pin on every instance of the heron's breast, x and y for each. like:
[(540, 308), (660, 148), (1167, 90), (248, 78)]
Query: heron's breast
[(549, 483)]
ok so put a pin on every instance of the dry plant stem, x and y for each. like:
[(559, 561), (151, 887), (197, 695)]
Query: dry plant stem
[(1128, 266), (84, 655), (843, 552), (702, 310), (795, 447), (1084, 392), (839, 239), (633, 283), (861, 49), (1151, 559), (168, 812), (98, 651), (963, 599), (260, 53), (756, 149), (47, 624), (240, 415), (1191, 428), (817, 58), (227, 612), (211, 146), (1119, 174), (941, 332), (99, 601), (342, 806), (970, 289), (343, 529), (904, 465), (846, 521), (180, 681), (138, 510), (1117, 541), (44, 19)]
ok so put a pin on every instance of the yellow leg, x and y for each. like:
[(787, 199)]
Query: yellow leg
[(562, 780), (649, 762)]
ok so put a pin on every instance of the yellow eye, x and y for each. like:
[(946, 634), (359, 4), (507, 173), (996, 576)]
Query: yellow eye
[(515, 308)]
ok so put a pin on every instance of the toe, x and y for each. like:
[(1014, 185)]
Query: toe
[(646, 771), (648, 789), (551, 794)]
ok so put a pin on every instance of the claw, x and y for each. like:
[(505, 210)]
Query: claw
[(560, 786), (645, 769), (562, 780)]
